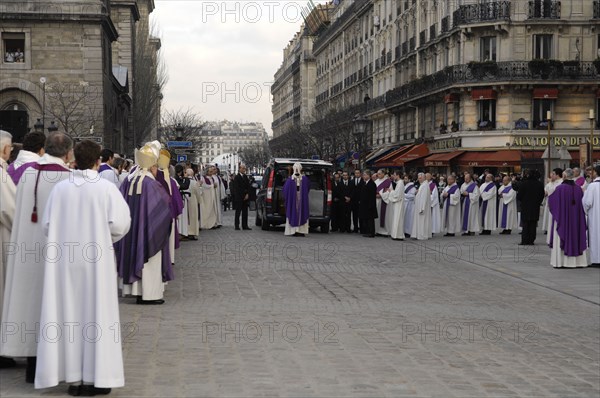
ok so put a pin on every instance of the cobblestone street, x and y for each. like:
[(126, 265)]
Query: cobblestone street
[(254, 313)]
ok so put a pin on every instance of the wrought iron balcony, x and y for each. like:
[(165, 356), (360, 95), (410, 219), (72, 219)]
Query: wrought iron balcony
[(432, 31), (544, 9), (445, 24), (484, 12), (596, 14)]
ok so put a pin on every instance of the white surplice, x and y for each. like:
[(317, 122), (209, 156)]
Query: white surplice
[(508, 201), (8, 193), (548, 226), (410, 191), (221, 194), (25, 262), (209, 205), (80, 289), (548, 189), (451, 221), (395, 210), (473, 215), (436, 212), (379, 202), (110, 175), (25, 157), (591, 205), (421, 228), (193, 200), (488, 220)]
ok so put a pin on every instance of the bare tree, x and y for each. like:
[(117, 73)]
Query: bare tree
[(184, 125), (150, 74), (73, 105), (256, 155)]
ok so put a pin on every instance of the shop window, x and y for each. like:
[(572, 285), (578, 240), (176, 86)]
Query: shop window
[(487, 114), (13, 47)]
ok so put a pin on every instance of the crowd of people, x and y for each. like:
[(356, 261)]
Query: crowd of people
[(78, 223), (402, 205)]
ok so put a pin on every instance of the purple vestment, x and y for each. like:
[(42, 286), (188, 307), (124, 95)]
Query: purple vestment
[(485, 203), (467, 200), (296, 202), (380, 189), (566, 207), (176, 201), (104, 167), (504, 207), (16, 174), (149, 233), (580, 181)]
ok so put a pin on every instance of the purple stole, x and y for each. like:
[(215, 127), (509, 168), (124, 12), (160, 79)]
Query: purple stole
[(504, 208), (383, 186), (408, 188), (451, 191), (580, 181), (104, 167), (43, 167), (485, 203), (208, 180), (431, 186), (467, 200), (16, 174)]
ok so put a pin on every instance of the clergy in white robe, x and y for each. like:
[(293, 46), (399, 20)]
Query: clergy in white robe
[(568, 234), (422, 212), (394, 198), (548, 189), (382, 182), (410, 191), (209, 201), (221, 194), (143, 258), (556, 178), (8, 192), (88, 213), (489, 193), (451, 212), (470, 206), (33, 148), (591, 205), (106, 170), (507, 208), (436, 212), (24, 273), (193, 200)]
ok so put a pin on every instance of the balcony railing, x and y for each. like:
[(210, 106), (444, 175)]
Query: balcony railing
[(596, 14), (474, 13), (445, 24), (544, 9), (432, 31), (422, 37)]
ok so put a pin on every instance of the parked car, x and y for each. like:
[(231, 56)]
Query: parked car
[(270, 206)]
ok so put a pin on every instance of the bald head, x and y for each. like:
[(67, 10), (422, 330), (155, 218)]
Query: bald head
[(58, 145)]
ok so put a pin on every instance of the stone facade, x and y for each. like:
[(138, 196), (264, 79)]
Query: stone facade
[(225, 137), (431, 69)]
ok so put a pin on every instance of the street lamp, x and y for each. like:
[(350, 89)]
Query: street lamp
[(38, 126), (361, 126), (52, 128), (43, 82), (591, 147), (179, 129)]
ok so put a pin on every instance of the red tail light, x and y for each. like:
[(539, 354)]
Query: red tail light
[(270, 186)]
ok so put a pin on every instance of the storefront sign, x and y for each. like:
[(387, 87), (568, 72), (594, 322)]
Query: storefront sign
[(450, 143), (542, 141)]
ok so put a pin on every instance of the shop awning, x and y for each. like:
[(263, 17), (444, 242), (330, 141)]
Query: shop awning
[(385, 160), (377, 153), (490, 159), (545, 93), (479, 94), (442, 159), (452, 97), (415, 153)]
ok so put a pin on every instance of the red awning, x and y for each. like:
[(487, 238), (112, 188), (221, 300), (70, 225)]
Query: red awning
[(575, 155), (479, 94), (442, 159), (545, 93), (415, 153), (490, 159), (386, 161), (452, 97)]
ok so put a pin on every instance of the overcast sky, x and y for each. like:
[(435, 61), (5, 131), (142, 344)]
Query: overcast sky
[(221, 55)]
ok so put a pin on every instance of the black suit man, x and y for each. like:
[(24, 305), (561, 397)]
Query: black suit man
[(240, 194), (356, 184), (345, 194), (368, 206), (531, 194)]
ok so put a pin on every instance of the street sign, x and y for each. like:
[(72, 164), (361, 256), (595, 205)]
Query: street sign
[(181, 158), (179, 144), (97, 140)]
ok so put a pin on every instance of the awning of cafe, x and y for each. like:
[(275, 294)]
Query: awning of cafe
[(386, 160), (441, 159), (377, 153), (490, 159), (414, 153)]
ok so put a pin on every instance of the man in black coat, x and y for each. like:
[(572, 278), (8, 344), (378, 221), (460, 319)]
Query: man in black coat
[(336, 206), (240, 189), (368, 205), (356, 183), (530, 191), (345, 203)]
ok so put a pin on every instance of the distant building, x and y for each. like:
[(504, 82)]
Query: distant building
[(225, 137)]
